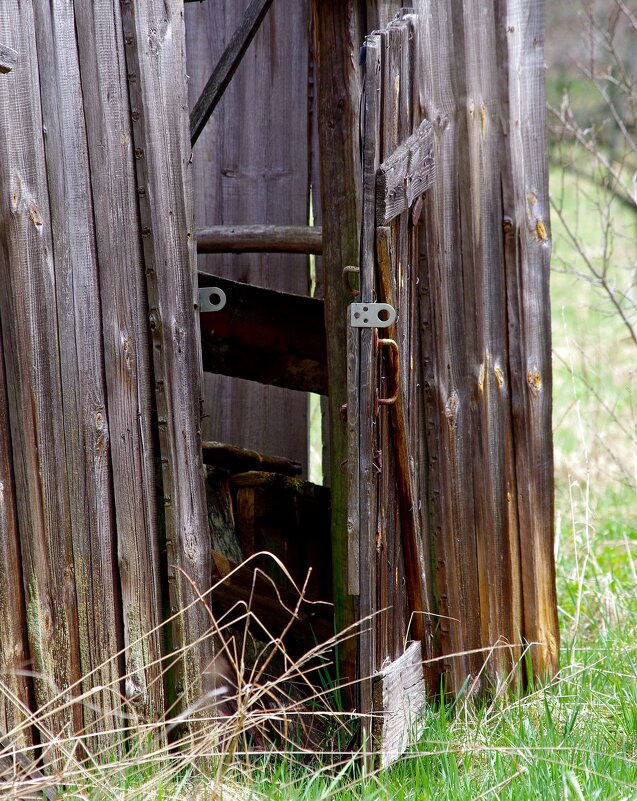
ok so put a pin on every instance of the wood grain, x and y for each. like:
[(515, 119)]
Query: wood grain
[(14, 649), (446, 282), (527, 251), (86, 423), (126, 347), (259, 239), (156, 66), (338, 30), (408, 171), (30, 336)]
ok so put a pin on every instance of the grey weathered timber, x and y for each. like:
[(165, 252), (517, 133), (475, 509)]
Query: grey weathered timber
[(259, 239), (8, 59), (246, 174), (351, 412), (260, 335), (399, 699), (449, 386), (30, 336), (527, 251), (126, 346), (406, 173), (228, 63), (86, 424), (156, 66), (14, 651), (338, 28)]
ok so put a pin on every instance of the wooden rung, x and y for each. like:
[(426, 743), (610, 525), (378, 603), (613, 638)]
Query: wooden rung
[(265, 336), (240, 460), (260, 239)]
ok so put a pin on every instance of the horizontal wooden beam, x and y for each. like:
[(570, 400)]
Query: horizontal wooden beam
[(406, 174), (260, 239), (240, 460), (265, 336), (227, 65)]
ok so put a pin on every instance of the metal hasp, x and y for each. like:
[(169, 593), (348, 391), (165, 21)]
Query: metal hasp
[(211, 299), (372, 315)]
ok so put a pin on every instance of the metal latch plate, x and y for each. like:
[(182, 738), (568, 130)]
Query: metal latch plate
[(211, 299), (372, 315)]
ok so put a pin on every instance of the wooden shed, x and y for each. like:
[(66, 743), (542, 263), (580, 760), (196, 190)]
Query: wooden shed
[(210, 211)]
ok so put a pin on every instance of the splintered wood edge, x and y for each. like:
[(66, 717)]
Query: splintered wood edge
[(405, 175), (399, 697), (8, 59)]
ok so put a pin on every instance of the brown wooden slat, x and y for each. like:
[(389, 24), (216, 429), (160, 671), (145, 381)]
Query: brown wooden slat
[(406, 173), (259, 239), (527, 250), (444, 267), (30, 336), (270, 337), (156, 67), (228, 63), (126, 347), (493, 445)]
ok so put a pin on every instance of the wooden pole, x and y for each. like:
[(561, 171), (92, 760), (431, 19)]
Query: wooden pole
[(260, 239), (338, 28)]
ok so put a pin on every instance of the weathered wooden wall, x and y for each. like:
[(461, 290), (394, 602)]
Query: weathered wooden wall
[(96, 256), (253, 165), (485, 309)]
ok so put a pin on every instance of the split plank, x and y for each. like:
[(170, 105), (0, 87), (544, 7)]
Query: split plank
[(399, 700), (260, 239), (406, 174), (260, 335)]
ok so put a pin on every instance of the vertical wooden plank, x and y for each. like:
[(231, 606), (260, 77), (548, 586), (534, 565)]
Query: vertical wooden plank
[(156, 65), (447, 381), (86, 425), (338, 27), (14, 650), (494, 483), (369, 466), (30, 336), (391, 624), (527, 255), (126, 346), (252, 165)]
